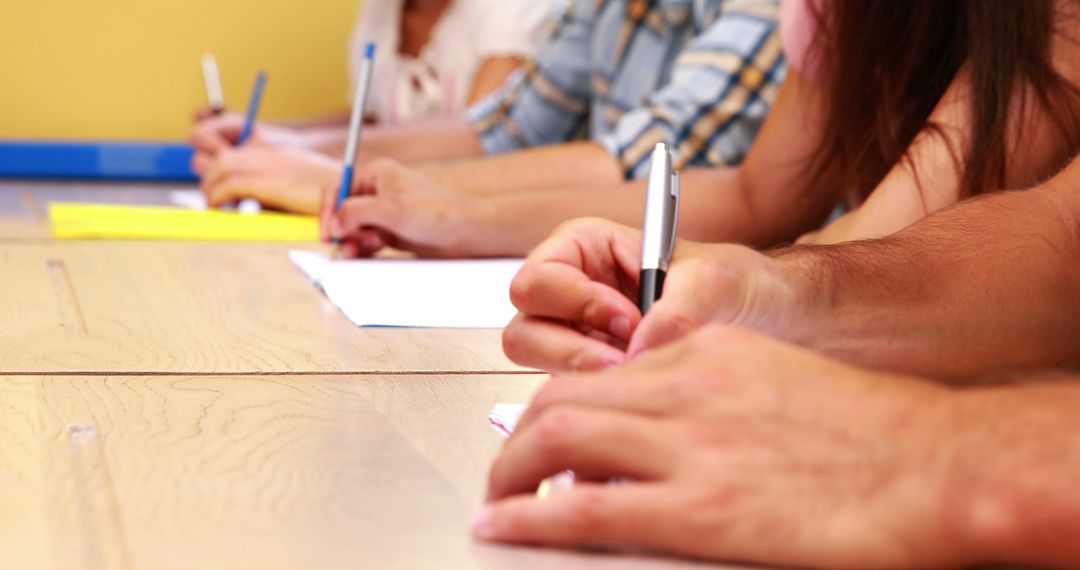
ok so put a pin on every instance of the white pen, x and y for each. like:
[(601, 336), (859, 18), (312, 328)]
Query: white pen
[(356, 121), (356, 125), (214, 95), (660, 227)]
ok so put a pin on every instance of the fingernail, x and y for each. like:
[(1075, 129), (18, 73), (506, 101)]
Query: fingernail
[(620, 327), (482, 523)]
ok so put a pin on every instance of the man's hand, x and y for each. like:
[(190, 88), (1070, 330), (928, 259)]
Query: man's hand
[(283, 178), (577, 297), (732, 446), (391, 205)]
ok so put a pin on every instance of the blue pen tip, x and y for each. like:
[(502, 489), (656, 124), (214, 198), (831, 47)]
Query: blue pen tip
[(369, 53)]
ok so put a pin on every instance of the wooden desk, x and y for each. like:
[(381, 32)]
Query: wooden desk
[(23, 204), (274, 472), (185, 405), (187, 308)]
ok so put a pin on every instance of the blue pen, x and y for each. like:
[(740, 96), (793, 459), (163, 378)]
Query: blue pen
[(356, 124), (253, 108)]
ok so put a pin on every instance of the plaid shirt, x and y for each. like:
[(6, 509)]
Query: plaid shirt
[(698, 74)]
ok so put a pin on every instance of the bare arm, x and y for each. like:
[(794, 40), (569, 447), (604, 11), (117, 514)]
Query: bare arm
[(929, 179), (765, 201), (988, 285), (491, 75), (435, 139), (517, 222), (431, 140), (576, 165), (339, 120)]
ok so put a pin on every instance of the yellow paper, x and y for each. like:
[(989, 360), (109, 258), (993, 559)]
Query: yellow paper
[(97, 221)]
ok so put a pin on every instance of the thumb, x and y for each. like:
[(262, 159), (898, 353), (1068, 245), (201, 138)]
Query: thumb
[(669, 319), (695, 294)]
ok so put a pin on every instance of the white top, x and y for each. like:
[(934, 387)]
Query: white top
[(437, 83)]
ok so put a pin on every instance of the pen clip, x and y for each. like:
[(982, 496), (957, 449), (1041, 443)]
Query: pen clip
[(675, 215)]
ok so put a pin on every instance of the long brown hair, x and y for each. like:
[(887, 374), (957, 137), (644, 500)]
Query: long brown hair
[(889, 62)]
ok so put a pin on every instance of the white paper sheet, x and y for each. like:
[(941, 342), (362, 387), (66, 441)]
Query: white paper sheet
[(188, 199), (196, 200), (415, 293), (504, 417)]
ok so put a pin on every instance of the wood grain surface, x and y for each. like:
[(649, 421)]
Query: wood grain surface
[(188, 405), (258, 472), (187, 308), (23, 204)]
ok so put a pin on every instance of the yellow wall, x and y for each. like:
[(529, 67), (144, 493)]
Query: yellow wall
[(130, 68)]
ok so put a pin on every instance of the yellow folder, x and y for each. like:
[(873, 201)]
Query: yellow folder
[(98, 221)]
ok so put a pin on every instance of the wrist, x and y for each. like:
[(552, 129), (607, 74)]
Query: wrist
[(983, 507), (936, 501), (800, 287), (476, 237), (323, 140)]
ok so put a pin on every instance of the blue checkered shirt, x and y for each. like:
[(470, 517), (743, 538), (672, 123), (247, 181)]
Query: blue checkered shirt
[(698, 74)]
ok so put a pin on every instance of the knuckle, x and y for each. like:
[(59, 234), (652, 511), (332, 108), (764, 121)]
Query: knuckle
[(589, 513), (524, 285), (550, 395), (556, 429), (579, 225), (708, 509), (514, 340), (584, 360), (595, 309)]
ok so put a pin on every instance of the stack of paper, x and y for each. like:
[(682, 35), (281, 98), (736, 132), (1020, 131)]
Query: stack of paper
[(415, 293)]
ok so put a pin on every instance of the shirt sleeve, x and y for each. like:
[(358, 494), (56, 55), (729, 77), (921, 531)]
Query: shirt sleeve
[(720, 91), (547, 101)]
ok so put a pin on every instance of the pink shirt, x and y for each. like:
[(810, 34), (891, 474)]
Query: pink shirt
[(797, 30)]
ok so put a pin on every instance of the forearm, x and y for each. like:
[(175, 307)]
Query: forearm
[(556, 167), (931, 178), (491, 75), (986, 286), (436, 139), (328, 140), (327, 121), (325, 135), (513, 224), (714, 209), (1012, 463)]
